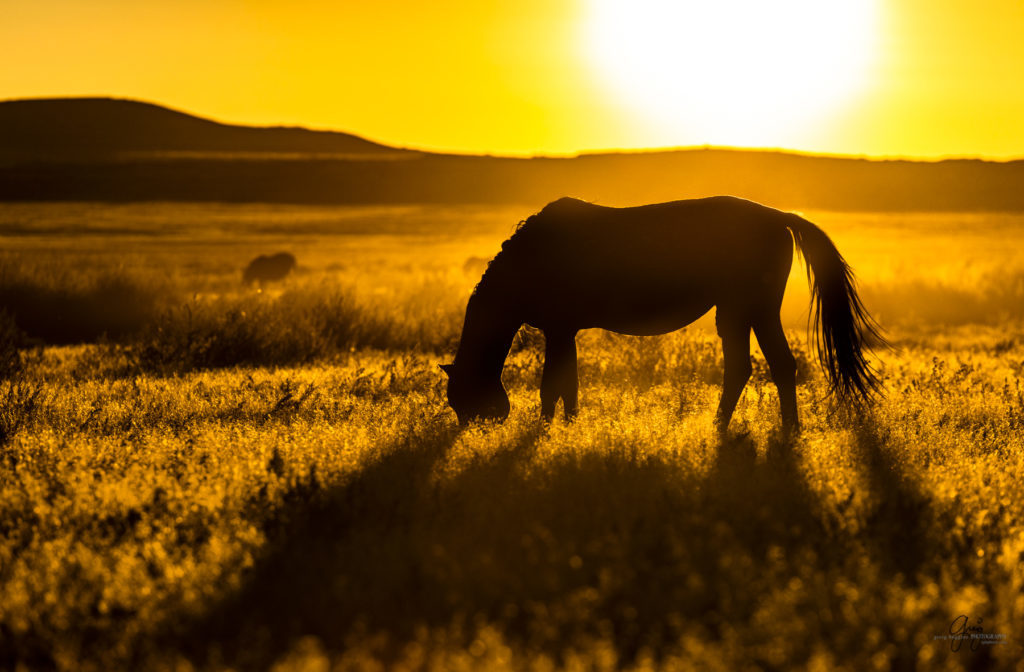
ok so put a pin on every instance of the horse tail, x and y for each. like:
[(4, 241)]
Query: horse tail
[(841, 324)]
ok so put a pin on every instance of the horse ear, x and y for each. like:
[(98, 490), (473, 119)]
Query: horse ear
[(447, 368)]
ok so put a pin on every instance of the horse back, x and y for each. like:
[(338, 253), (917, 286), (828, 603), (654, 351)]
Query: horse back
[(665, 261)]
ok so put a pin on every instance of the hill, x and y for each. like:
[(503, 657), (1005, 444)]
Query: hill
[(109, 150), (95, 127)]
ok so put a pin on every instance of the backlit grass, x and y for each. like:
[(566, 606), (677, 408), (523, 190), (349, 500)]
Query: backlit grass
[(274, 481)]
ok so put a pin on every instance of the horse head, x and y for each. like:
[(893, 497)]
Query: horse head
[(475, 399)]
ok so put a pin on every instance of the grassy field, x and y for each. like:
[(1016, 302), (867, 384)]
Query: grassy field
[(198, 476)]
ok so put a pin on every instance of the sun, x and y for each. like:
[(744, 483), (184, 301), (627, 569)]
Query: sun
[(731, 72)]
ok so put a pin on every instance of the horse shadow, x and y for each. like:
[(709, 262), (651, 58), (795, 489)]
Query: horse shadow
[(902, 521), (553, 551)]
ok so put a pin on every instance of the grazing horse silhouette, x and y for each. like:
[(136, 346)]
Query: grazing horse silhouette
[(653, 269), (264, 269)]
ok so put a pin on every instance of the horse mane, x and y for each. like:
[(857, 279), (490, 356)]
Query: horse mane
[(529, 241)]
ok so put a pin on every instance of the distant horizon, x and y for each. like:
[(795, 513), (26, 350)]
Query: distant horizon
[(583, 152)]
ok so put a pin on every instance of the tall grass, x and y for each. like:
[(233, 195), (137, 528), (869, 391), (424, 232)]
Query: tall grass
[(219, 479), (296, 326), (168, 328), (12, 341), (58, 306), (333, 515)]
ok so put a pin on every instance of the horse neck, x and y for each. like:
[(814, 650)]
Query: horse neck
[(487, 335)]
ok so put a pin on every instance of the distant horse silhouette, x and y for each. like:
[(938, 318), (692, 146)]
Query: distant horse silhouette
[(264, 269), (653, 269)]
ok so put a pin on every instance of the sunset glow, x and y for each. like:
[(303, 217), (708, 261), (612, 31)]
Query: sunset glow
[(737, 72), (865, 77)]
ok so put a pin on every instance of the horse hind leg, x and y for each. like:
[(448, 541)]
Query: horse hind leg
[(772, 339), (571, 381), (560, 379), (735, 336)]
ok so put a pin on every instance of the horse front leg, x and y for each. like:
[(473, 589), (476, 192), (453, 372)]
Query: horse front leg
[(736, 353), (560, 379)]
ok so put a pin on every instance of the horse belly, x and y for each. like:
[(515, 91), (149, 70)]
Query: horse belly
[(646, 315), (628, 305), (651, 324)]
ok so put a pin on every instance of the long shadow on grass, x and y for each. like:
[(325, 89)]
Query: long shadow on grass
[(553, 551), (898, 526), (332, 558)]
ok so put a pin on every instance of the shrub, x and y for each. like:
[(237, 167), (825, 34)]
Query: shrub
[(11, 341), (80, 308), (298, 326)]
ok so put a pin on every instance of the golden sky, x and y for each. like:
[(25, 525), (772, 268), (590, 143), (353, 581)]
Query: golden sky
[(875, 77)]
